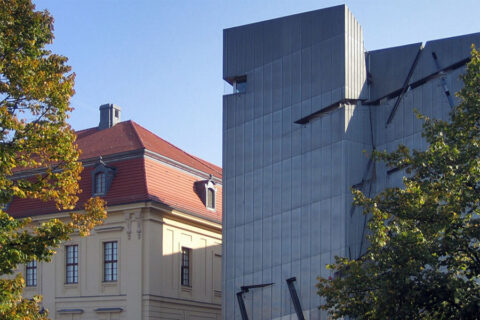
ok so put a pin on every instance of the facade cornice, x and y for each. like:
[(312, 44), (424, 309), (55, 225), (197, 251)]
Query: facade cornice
[(137, 206), (181, 301), (132, 206), (134, 154), (158, 157), (183, 215)]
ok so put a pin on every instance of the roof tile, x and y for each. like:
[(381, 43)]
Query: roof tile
[(138, 179)]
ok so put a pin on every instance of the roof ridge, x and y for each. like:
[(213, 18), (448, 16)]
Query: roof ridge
[(198, 160), (86, 129), (145, 180), (203, 162), (133, 123), (206, 163)]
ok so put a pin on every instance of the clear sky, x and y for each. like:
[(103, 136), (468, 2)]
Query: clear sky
[(161, 61)]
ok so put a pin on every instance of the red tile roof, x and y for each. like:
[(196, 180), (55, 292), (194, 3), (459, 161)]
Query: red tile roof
[(177, 189), (129, 136), (140, 178)]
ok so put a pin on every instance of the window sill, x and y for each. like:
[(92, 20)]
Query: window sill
[(70, 311), (108, 310), (186, 288), (99, 194), (109, 283), (70, 285), (30, 288)]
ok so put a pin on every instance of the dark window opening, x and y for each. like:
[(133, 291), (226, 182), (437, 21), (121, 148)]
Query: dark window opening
[(186, 255), (100, 183), (102, 178), (71, 254), (240, 85), (31, 274), (110, 261), (210, 198)]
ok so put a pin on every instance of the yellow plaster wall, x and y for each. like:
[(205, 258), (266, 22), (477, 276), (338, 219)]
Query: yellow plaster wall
[(148, 286)]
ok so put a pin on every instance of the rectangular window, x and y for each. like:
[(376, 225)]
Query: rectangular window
[(31, 273), (71, 254), (110, 260), (210, 198), (186, 255), (100, 183)]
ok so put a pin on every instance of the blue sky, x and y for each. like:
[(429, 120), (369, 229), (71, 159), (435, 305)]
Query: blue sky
[(161, 61)]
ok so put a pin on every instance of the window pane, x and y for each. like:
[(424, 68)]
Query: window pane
[(114, 250), (100, 182), (31, 273), (210, 198), (71, 268), (185, 272), (110, 261)]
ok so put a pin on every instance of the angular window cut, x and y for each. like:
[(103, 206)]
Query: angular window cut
[(110, 261), (31, 274), (186, 257), (240, 84), (71, 264)]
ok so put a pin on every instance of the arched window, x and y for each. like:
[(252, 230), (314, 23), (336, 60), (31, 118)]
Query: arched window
[(100, 183), (210, 198)]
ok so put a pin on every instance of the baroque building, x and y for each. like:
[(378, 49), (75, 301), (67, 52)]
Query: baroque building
[(308, 99), (158, 254)]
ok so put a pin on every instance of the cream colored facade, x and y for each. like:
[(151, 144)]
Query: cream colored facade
[(150, 238)]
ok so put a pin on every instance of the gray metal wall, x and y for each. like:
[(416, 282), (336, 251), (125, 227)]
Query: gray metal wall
[(287, 199)]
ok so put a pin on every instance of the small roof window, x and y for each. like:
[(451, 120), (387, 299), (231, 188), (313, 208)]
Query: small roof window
[(102, 177), (210, 194), (100, 183), (210, 198)]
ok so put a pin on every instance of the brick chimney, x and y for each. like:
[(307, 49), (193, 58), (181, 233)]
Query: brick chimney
[(109, 116)]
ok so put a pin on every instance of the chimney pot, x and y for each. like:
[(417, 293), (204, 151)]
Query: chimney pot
[(109, 115)]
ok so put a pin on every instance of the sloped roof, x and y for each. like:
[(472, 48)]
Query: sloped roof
[(138, 178), (129, 185), (176, 189), (128, 136)]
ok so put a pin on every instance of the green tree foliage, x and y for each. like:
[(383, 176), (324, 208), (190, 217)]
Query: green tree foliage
[(35, 90), (424, 257)]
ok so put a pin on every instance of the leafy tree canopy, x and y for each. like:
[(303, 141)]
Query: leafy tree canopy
[(424, 256), (38, 155)]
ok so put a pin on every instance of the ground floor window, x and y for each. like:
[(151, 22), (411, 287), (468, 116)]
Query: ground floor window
[(31, 273), (186, 258)]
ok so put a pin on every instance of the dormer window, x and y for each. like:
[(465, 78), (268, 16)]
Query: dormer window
[(206, 191), (100, 183), (102, 177), (211, 198), (210, 191)]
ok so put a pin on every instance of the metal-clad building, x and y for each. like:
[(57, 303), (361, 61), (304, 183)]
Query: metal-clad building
[(307, 101)]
